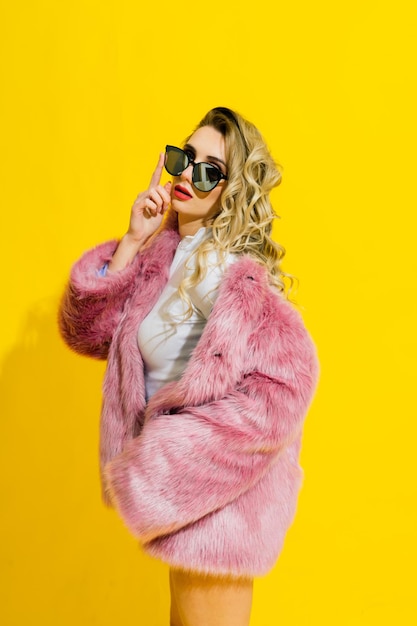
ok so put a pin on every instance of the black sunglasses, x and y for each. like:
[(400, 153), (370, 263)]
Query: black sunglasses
[(205, 175)]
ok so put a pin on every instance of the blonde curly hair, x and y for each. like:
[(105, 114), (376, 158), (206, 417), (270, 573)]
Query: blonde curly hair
[(243, 224)]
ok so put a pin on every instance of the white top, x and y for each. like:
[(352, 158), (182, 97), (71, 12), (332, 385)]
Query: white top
[(165, 340)]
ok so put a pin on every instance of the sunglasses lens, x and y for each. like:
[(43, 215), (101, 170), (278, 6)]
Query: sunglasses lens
[(175, 161), (205, 176)]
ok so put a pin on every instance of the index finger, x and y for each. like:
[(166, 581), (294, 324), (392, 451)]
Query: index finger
[(156, 176)]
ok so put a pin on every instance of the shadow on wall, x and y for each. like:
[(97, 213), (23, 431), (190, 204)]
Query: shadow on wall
[(71, 555)]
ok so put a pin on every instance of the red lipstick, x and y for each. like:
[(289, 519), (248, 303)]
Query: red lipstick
[(182, 193)]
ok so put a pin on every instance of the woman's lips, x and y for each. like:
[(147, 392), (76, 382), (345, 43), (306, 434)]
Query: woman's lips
[(182, 193)]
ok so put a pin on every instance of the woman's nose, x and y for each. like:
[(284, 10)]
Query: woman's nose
[(187, 174)]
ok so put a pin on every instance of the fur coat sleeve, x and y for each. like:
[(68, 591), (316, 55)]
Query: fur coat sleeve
[(210, 437), (92, 305)]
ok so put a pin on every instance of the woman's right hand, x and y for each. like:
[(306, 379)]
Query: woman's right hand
[(145, 218), (150, 206)]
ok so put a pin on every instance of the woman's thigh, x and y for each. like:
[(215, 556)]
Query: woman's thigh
[(198, 600)]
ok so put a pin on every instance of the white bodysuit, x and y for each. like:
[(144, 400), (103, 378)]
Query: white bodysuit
[(165, 340)]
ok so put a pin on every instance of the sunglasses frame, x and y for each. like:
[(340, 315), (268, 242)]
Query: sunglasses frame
[(191, 161)]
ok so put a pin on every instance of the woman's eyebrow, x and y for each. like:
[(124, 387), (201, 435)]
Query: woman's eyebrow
[(213, 158), (188, 146)]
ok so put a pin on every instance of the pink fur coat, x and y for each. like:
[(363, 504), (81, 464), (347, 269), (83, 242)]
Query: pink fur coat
[(206, 475)]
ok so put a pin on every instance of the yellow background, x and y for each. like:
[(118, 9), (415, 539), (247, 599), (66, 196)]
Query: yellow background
[(91, 92)]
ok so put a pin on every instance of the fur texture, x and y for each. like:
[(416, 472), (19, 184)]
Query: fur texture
[(206, 475)]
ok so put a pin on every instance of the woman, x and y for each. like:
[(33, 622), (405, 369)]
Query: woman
[(210, 370)]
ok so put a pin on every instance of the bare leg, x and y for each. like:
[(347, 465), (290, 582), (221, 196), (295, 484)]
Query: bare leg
[(209, 600), (174, 618)]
